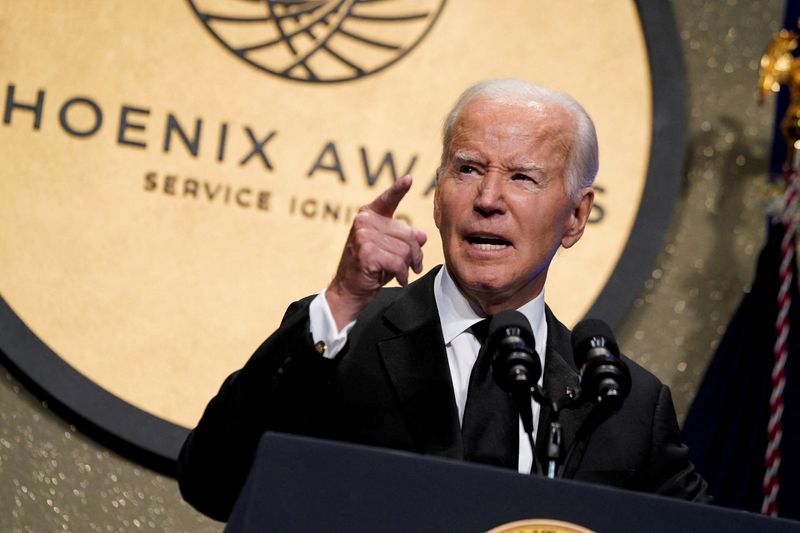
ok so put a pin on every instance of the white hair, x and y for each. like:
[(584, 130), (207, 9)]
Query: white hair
[(582, 160)]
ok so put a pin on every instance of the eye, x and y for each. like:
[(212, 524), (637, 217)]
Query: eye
[(467, 169), (522, 177)]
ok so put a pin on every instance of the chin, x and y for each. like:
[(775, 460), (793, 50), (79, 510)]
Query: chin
[(481, 282)]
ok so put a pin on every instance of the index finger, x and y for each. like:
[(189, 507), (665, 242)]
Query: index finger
[(387, 202)]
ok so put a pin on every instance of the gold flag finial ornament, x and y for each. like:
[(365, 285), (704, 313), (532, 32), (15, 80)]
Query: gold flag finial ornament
[(777, 63), (780, 67)]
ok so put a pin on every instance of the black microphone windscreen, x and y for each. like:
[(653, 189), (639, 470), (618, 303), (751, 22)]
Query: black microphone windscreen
[(589, 329), (510, 319)]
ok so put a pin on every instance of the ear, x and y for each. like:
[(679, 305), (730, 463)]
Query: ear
[(578, 218), (437, 210)]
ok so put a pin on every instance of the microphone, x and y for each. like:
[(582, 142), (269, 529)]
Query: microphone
[(515, 365), (604, 375)]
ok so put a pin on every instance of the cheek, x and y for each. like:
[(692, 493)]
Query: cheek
[(443, 211), (437, 206)]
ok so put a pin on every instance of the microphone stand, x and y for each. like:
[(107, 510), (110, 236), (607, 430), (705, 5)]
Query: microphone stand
[(555, 440)]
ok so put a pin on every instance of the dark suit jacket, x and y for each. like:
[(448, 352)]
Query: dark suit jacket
[(391, 387)]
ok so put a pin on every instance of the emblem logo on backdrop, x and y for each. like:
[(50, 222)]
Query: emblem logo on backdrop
[(319, 41)]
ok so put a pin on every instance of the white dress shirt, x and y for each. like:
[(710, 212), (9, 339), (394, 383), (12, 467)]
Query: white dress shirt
[(456, 317)]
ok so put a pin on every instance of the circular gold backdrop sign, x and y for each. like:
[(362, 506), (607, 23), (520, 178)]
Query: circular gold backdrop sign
[(174, 174)]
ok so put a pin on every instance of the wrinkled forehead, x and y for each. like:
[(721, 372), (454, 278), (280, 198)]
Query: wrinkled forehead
[(537, 113), (545, 124)]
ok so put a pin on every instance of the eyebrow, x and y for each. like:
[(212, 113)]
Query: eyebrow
[(466, 157), (530, 167), (473, 157)]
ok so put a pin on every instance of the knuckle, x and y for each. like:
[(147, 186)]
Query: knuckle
[(366, 250), (406, 251), (364, 236), (362, 218), (399, 265)]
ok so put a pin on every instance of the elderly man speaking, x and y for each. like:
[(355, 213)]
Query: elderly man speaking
[(399, 367)]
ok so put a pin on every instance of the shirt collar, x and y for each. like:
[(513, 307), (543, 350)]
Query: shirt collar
[(456, 314)]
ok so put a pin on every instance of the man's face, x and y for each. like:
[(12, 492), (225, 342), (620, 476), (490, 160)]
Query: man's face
[(502, 204)]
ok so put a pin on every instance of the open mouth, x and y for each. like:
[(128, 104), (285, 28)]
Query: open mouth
[(488, 242)]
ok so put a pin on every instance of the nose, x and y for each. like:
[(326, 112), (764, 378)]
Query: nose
[(489, 199)]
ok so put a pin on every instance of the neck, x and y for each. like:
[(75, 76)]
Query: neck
[(489, 302)]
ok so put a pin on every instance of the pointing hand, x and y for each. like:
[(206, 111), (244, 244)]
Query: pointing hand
[(378, 249)]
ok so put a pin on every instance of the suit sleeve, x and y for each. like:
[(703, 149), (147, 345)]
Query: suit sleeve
[(671, 473), (275, 391)]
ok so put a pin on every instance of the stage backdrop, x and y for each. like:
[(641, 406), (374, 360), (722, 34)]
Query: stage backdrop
[(175, 173)]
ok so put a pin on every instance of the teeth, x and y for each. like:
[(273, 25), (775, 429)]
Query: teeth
[(486, 246)]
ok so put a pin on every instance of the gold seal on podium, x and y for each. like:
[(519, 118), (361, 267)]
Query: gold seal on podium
[(540, 525)]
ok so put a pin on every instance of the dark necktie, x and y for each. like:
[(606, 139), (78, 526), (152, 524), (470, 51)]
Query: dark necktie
[(490, 429)]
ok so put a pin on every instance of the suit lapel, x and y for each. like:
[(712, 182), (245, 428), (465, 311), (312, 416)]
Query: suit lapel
[(416, 362)]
